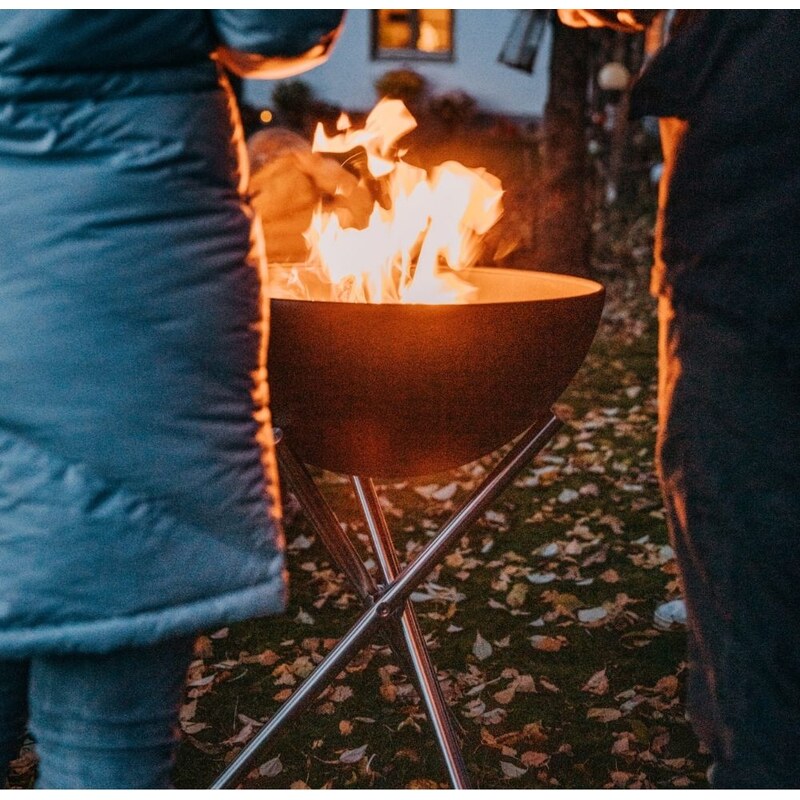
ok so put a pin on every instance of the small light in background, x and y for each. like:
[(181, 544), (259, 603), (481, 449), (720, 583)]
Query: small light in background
[(614, 77), (265, 116)]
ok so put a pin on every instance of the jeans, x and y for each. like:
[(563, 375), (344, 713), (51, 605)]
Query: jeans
[(728, 453), (99, 721)]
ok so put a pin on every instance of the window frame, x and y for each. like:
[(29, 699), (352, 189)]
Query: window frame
[(379, 53)]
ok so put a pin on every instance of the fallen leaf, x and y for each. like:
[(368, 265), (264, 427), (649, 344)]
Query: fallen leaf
[(542, 577), (202, 681), (524, 683), (194, 727), (511, 770), (616, 524), (505, 696), (597, 684), (474, 708), (660, 742), (531, 758), (300, 543), (188, 711), (604, 714), (341, 693), (425, 783), (203, 647), (516, 597), (610, 576), (245, 734), (353, 756), (668, 685), (568, 496), (267, 658), (620, 779), (445, 493), (271, 768), (622, 746), (588, 615), (481, 649), (547, 684), (494, 716), (388, 692), (548, 644), (561, 600)]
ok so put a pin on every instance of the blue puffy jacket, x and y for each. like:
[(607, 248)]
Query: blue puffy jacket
[(137, 490)]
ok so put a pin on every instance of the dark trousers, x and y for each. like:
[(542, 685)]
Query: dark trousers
[(729, 460)]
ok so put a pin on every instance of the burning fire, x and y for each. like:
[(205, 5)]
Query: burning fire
[(423, 228)]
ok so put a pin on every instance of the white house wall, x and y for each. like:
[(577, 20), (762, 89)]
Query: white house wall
[(348, 78)]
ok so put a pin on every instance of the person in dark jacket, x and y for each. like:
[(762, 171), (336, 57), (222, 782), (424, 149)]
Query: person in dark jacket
[(727, 273), (138, 500)]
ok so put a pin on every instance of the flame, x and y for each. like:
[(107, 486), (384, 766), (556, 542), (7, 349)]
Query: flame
[(423, 228)]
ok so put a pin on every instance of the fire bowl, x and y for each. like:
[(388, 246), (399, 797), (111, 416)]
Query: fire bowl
[(395, 390)]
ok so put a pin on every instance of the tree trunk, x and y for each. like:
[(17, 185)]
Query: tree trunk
[(564, 218)]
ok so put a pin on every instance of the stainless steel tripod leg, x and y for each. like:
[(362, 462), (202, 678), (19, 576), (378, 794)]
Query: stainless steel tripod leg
[(324, 522), (427, 682), (533, 440)]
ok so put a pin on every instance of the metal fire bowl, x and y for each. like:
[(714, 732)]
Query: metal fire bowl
[(396, 390)]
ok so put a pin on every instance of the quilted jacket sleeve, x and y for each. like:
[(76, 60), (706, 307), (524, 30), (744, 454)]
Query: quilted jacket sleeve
[(275, 43)]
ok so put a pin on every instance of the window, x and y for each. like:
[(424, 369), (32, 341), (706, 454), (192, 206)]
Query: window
[(425, 33)]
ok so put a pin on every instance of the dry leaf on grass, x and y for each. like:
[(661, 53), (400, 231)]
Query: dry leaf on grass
[(505, 696), (548, 644), (516, 597), (512, 770), (668, 685), (445, 493), (481, 649), (340, 694), (604, 714), (271, 768), (531, 758), (353, 756), (597, 684), (590, 615)]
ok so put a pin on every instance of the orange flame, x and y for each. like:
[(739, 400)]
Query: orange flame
[(427, 228)]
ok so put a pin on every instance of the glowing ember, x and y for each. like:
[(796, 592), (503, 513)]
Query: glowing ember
[(425, 228)]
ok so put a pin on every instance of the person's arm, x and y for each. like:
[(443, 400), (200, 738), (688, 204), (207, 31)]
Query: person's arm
[(275, 44), (289, 181)]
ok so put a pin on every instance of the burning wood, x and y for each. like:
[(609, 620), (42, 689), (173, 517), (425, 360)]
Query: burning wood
[(424, 228)]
